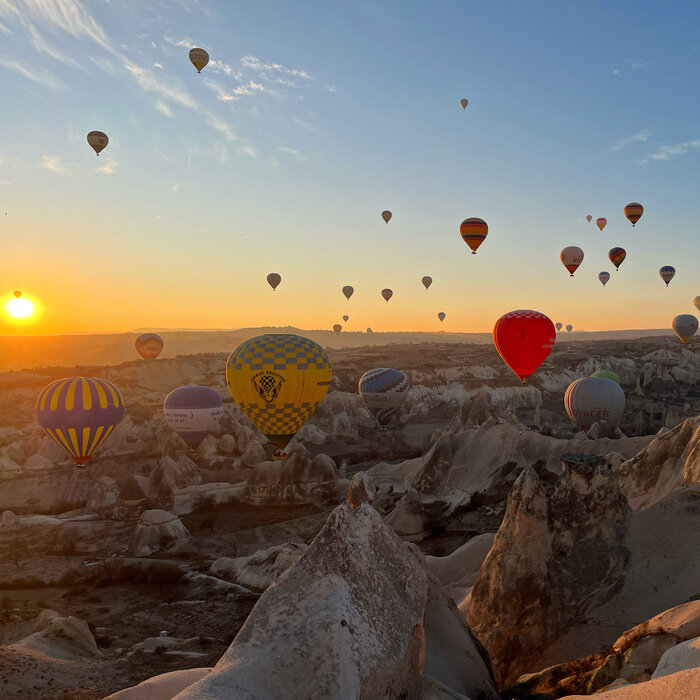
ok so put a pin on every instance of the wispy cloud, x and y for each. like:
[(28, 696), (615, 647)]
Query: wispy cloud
[(175, 188), (42, 46), (250, 88), (163, 108), (292, 151), (632, 65), (639, 137), (54, 164), (4, 29), (106, 167), (254, 63), (221, 126), (36, 74), (666, 152)]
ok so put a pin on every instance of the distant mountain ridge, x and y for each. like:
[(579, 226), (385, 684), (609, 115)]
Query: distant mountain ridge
[(27, 352)]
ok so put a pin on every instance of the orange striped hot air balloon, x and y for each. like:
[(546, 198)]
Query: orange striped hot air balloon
[(80, 413), (617, 255), (634, 211), (600, 223), (474, 231)]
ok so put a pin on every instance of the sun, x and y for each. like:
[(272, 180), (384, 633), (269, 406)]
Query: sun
[(20, 308)]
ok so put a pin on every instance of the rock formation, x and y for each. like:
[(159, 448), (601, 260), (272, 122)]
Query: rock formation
[(155, 531)]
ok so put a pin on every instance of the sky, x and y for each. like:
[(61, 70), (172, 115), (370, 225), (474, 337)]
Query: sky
[(310, 119)]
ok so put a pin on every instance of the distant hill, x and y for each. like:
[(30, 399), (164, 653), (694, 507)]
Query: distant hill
[(27, 352)]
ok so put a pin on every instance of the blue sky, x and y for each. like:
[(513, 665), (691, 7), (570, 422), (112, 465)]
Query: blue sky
[(310, 120)]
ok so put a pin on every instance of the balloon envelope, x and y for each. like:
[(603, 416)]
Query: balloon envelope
[(386, 215), (588, 217), (17, 294), (337, 328), (346, 318), (348, 291), (606, 374), (149, 345), (193, 412), (558, 326), (667, 273), (696, 301), (571, 257), (273, 279), (98, 141), (441, 316), (474, 232), (685, 326), (604, 277), (634, 211), (387, 294), (383, 390), (464, 102), (80, 413), (593, 399), (569, 328), (617, 256), (427, 281), (199, 58), (278, 380), (524, 339), (600, 223)]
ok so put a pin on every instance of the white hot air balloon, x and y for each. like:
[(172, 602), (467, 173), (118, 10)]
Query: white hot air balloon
[(594, 399), (685, 326)]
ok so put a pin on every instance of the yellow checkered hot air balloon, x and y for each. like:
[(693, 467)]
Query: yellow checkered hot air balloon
[(278, 380)]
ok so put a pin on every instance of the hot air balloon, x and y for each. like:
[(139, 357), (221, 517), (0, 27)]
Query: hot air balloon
[(592, 399), (588, 218), (278, 380), (558, 326), (98, 141), (473, 232), (696, 301), (634, 211), (427, 281), (617, 255), (193, 412), (571, 257), (346, 318), (684, 326), (199, 58), (524, 339), (603, 277), (369, 331), (273, 279), (667, 273), (441, 316), (80, 413), (383, 390), (569, 328), (348, 291), (149, 345), (606, 374), (600, 223), (464, 102), (386, 215), (387, 294), (17, 294), (337, 328)]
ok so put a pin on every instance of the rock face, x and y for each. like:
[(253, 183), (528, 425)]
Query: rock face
[(296, 479), (670, 461), (348, 620), (258, 570), (157, 530), (59, 637), (570, 571)]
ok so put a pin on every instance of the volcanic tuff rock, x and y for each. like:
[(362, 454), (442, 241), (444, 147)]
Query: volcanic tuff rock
[(157, 530), (357, 616), (670, 461), (568, 572)]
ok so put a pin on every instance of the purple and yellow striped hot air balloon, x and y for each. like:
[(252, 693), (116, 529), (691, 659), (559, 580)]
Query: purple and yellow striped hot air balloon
[(617, 256), (474, 231), (80, 413)]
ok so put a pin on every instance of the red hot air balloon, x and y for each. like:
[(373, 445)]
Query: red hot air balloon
[(600, 223), (571, 257), (524, 339), (149, 345)]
